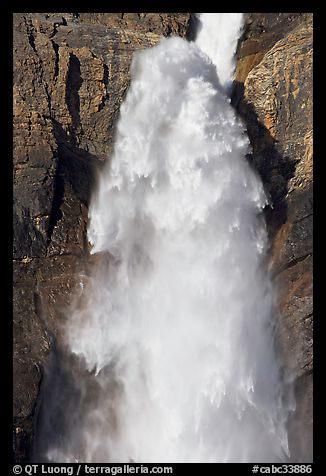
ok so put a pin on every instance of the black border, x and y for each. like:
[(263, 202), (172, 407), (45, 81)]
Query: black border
[(7, 197)]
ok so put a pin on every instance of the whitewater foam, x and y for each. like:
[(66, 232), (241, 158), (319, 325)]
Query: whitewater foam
[(181, 321), (217, 36)]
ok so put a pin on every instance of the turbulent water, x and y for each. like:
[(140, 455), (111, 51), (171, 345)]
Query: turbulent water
[(176, 330), (217, 36)]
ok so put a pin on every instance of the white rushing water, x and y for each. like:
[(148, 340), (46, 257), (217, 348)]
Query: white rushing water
[(182, 319), (217, 36)]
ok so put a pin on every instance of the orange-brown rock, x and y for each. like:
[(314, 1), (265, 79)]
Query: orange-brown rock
[(274, 96), (71, 71)]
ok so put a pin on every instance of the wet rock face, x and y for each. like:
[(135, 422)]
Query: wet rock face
[(71, 72), (273, 94)]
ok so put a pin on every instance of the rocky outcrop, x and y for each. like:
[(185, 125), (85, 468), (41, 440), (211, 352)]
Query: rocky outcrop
[(274, 97), (71, 71)]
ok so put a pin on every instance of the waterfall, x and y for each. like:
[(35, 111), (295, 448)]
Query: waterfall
[(217, 36), (175, 327)]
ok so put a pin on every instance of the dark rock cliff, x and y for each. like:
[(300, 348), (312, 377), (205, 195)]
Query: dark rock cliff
[(273, 94), (71, 72)]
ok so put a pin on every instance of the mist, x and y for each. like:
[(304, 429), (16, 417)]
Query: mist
[(175, 328)]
